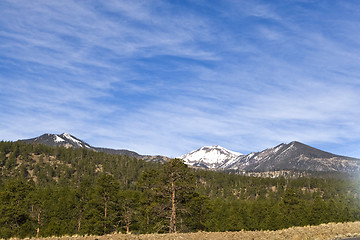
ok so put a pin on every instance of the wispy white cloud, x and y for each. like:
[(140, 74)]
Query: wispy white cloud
[(262, 122), (163, 77)]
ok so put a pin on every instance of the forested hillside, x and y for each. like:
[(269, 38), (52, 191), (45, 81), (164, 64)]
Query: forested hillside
[(47, 191)]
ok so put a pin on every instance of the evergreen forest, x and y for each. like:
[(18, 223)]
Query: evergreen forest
[(48, 191)]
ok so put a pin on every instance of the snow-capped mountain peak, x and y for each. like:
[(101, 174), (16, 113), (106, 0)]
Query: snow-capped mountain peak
[(67, 140), (64, 139), (210, 157)]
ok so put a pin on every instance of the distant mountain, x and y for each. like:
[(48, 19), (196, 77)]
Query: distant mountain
[(67, 140), (214, 157), (64, 139), (293, 156)]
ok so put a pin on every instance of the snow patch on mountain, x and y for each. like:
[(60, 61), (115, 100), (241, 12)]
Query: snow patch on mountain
[(276, 149), (58, 139), (69, 137)]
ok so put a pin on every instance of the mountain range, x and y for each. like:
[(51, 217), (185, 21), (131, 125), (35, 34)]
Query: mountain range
[(294, 156)]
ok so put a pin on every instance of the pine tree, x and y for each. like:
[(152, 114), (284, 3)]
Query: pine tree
[(106, 188), (178, 187), (149, 184)]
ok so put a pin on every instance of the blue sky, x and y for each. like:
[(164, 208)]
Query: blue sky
[(167, 77)]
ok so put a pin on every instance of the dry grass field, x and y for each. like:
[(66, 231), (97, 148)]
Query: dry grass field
[(323, 231)]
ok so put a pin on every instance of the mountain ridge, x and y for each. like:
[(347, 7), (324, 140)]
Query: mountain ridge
[(294, 156)]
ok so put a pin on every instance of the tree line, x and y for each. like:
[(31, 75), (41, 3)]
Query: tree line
[(47, 191)]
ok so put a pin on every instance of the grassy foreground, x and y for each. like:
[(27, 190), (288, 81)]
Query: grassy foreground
[(323, 231)]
